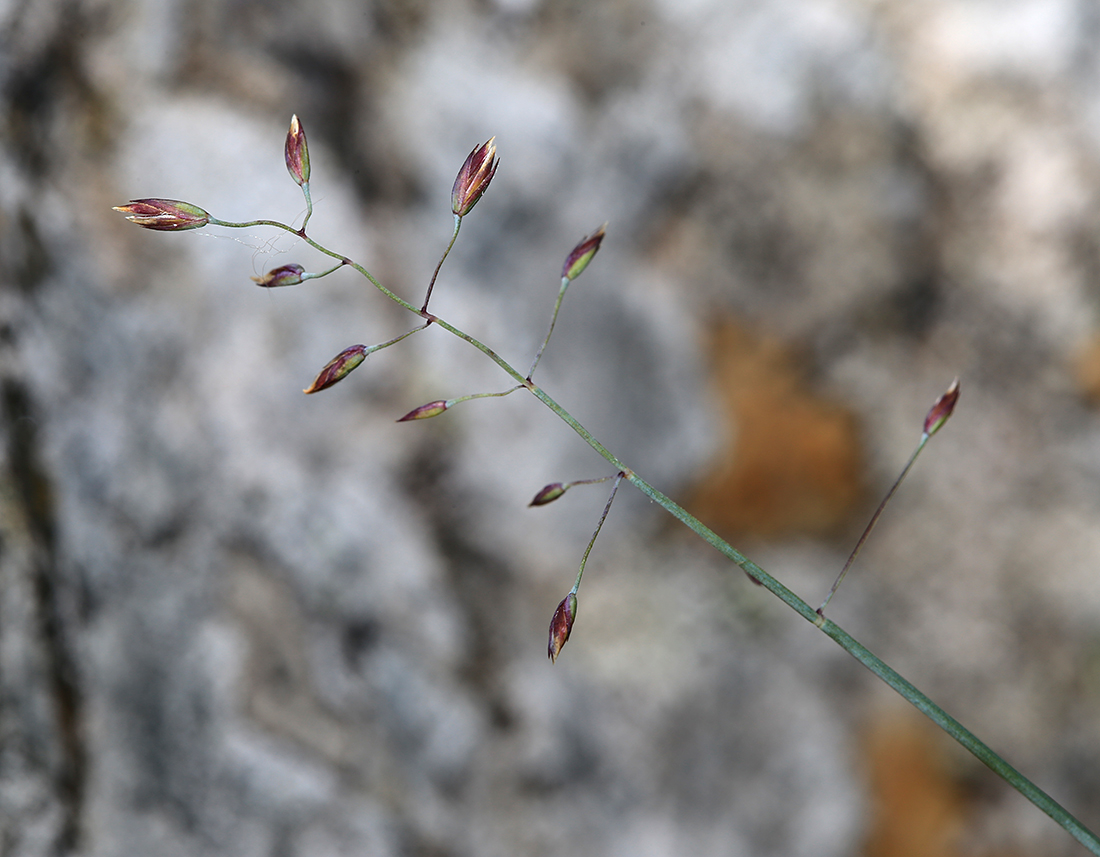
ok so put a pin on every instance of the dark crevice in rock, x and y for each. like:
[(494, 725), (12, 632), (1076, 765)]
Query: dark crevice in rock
[(34, 492), (43, 81), (479, 580)]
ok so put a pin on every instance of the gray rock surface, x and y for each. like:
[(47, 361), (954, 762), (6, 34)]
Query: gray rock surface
[(238, 621)]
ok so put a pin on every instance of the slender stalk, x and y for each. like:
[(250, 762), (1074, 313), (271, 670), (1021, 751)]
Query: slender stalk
[(431, 285), (595, 481), (508, 392), (309, 205), (326, 272), (599, 526), (396, 339), (871, 525), (565, 281)]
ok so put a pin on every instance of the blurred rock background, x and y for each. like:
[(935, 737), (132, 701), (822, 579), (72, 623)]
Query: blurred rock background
[(237, 621)]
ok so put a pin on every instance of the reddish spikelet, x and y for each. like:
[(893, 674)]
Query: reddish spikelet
[(548, 494), (297, 152), (432, 409), (582, 254), (338, 368), (164, 215), (474, 178), (561, 625), (942, 409), (285, 275)]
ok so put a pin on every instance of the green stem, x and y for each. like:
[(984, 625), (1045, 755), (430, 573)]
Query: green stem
[(885, 672)]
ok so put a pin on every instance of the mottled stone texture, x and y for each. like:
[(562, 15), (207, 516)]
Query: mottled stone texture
[(235, 620)]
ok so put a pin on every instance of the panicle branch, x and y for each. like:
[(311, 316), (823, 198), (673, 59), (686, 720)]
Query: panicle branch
[(942, 409), (574, 265), (561, 625), (470, 183)]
